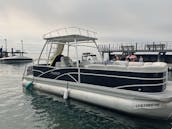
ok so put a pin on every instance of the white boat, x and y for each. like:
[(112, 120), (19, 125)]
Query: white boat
[(132, 87), (15, 59)]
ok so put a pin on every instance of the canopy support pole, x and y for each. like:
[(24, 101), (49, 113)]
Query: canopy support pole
[(76, 49), (68, 49), (42, 51)]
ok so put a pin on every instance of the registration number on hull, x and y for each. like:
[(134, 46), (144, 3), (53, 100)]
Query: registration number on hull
[(148, 105)]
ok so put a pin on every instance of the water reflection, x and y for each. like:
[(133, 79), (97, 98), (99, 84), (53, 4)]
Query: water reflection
[(11, 70), (53, 112)]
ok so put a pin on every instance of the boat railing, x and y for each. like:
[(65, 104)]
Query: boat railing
[(28, 70), (69, 31)]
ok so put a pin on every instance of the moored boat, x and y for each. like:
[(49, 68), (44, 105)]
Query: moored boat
[(132, 87), (15, 59)]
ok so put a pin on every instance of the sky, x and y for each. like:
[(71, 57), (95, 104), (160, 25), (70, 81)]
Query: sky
[(113, 20)]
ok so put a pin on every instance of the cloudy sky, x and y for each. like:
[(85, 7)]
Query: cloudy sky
[(112, 19)]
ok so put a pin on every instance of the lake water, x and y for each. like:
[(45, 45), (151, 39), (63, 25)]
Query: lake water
[(35, 110)]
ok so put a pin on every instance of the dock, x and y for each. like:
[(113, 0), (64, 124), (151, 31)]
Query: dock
[(150, 51)]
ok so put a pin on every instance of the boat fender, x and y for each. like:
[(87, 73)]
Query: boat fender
[(65, 95), (28, 86)]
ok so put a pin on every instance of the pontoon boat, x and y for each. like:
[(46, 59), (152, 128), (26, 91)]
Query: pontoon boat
[(132, 87)]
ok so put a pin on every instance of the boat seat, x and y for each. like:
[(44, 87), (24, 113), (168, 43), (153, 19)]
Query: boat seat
[(58, 64), (132, 67), (85, 62), (135, 64), (122, 63), (106, 67), (66, 62)]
